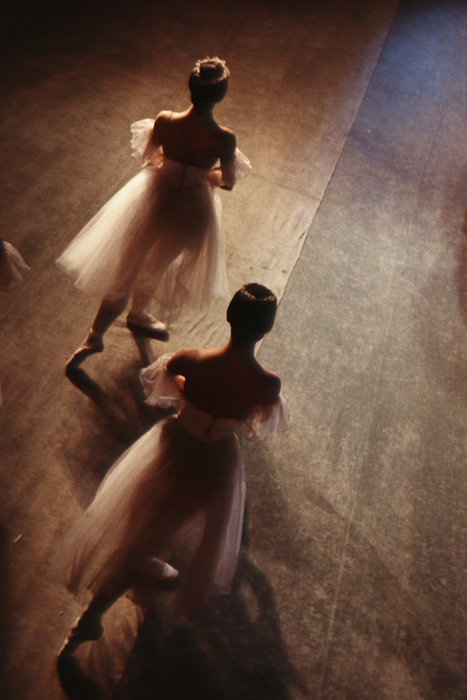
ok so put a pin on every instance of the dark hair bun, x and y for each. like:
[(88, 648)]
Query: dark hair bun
[(208, 81), (252, 311)]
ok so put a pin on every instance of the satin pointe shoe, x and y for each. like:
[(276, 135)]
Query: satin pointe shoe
[(158, 570), (147, 326), (85, 629), (157, 575), (91, 344)]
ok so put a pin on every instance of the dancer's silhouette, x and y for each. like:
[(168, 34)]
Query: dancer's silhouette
[(158, 239), (176, 497)]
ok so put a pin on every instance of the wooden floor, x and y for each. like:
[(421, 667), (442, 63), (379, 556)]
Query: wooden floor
[(351, 581)]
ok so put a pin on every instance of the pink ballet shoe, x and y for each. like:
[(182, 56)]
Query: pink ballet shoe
[(91, 344), (147, 326), (85, 629), (158, 570)]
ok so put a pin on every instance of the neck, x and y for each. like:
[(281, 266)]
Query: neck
[(204, 108), (242, 347)]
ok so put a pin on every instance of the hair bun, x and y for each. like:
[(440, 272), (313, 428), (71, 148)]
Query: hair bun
[(209, 71), (252, 311)]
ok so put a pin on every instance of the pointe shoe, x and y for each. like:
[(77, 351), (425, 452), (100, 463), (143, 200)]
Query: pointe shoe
[(148, 327), (158, 570), (85, 629), (91, 344)]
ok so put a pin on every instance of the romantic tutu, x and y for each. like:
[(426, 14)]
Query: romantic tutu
[(162, 230), (176, 495)]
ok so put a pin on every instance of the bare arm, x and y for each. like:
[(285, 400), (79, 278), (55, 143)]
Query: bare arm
[(159, 127), (271, 390), (228, 161)]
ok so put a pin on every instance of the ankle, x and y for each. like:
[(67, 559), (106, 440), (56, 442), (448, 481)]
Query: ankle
[(139, 316)]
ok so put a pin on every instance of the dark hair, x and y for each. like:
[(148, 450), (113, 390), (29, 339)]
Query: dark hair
[(251, 312), (209, 80)]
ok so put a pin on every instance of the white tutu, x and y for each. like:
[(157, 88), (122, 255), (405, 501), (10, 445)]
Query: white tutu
[(162, 230), (177, 494), (12, 266)]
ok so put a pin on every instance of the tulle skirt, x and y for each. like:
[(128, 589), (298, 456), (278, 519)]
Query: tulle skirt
[(159, 236), (170, 496)]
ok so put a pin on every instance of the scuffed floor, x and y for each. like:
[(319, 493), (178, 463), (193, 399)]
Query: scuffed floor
[(351, 582)]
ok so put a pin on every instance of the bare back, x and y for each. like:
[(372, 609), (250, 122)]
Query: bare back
[(224, 383), (193, 138)]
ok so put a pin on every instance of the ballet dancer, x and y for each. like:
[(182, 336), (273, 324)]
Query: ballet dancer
[(170, 511), (158, 239)]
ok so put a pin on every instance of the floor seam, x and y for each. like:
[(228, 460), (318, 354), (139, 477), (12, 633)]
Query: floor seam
[(376, 391)]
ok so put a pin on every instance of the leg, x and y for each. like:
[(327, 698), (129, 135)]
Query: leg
[(143, 325), (140, 322), (195, 587), (108, 312), (89, 626), (163, 254)]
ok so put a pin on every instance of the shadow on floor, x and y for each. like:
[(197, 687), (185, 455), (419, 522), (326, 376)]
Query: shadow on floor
[(74, 681), (82, 381), (99, 431), (235, 651), (88, 386)]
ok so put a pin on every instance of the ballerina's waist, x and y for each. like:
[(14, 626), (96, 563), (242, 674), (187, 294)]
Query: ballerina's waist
[(205, 427), (180, 174)]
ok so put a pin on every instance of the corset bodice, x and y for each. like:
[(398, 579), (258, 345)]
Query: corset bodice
[(205, 427)]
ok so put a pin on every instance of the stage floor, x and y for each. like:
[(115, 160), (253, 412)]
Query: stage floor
[(351, 581)]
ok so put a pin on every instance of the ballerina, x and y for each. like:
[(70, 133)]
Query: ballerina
[(158, 239), (170, 511)]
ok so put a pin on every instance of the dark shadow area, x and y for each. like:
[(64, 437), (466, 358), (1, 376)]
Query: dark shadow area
[(42, 20), (75, 684), (231, 654), (236, 650), (82, 381), (4, 611), (102, 429)]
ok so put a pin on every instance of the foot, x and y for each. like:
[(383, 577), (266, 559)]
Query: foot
[(158, 570), (147, 326), (91, 344), (86, 629)]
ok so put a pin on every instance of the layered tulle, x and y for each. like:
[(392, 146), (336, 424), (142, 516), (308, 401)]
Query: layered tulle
[(161, 233), (177, 494)]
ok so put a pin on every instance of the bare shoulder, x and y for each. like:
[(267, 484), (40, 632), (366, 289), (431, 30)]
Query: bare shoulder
[(160, 124), (182, 361), (272, 387), (164, 116)]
